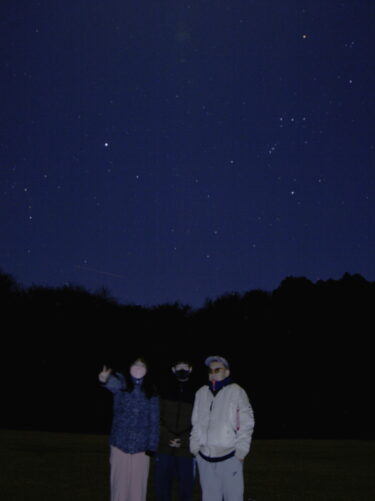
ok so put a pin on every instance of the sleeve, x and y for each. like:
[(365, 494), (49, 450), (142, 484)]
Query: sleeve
[(194, 435), (245, 425), (115, 383), (166, 433), (154, 424)]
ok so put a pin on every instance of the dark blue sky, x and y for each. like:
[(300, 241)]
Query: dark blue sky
[(178, 150)]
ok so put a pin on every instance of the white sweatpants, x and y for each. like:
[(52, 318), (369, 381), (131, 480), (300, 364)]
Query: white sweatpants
[(222, 480)]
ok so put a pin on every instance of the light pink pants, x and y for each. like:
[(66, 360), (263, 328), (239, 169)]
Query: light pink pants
[(129, 474)]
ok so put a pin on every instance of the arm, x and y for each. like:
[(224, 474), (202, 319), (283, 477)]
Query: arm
[(245, 425), (194, 435), (154, 424), (113, 383), (166, 434)]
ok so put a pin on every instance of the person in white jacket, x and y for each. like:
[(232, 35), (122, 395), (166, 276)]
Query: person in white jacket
[(223, 423)]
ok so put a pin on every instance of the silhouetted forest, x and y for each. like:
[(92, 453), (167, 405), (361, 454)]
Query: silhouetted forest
[(303, 352)]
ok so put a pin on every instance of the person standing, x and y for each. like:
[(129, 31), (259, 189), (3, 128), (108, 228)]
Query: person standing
[(173, 459), (223, 423), (135, 430)]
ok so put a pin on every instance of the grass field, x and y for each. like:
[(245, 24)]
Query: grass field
[(40, 466)]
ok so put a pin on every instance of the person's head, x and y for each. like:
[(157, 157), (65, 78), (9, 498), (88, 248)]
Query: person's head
[(182, 370), (138, 368), (138, 374), (218, 368)]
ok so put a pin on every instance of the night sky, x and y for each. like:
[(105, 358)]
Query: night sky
[(182, 149)]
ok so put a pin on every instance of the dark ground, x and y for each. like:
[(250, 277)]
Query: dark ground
[(42, 466)]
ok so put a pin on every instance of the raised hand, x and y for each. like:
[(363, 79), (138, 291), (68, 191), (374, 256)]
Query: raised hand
[(104, 374)]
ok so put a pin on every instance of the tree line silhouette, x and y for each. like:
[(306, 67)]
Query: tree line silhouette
[(303, 352)]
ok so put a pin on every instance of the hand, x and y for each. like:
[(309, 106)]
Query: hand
[(176, 442), (104, 374)]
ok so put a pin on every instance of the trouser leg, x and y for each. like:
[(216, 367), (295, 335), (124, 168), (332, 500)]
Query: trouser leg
[(209, 480), (120, 474), (129, 474), (140, 465), (185, 466), (231, 473), (164, 471), (222, 480)]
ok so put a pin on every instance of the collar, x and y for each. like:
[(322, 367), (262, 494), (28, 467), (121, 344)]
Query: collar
[(216, 386)]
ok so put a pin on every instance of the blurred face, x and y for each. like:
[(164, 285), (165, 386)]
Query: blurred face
[(217, 372), (138, 370)]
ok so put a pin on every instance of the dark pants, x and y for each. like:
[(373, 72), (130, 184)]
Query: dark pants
[(168, 467)]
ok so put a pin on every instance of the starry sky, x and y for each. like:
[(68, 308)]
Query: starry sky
[(182, 149)]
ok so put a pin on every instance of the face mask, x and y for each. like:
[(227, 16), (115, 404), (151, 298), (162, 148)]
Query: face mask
[(138, 371), (182, 374)]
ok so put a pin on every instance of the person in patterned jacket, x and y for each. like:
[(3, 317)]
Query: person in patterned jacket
[(135, 430)]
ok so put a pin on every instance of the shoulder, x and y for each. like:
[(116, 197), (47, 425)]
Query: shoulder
[(202, 392), (203, 389), (235, 389), (116, 383)]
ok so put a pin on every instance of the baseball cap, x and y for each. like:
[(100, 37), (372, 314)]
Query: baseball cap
[(216, 358)]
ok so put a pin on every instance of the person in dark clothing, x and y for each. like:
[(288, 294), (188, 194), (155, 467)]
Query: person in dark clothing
[(173, 459)]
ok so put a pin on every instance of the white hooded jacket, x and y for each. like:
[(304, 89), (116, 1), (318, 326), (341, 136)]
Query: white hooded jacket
[(223, 423)]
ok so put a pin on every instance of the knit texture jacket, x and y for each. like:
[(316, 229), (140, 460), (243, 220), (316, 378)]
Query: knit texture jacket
[(135, 424)]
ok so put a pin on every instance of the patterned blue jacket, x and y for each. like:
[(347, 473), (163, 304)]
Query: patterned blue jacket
[(135, 424)]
